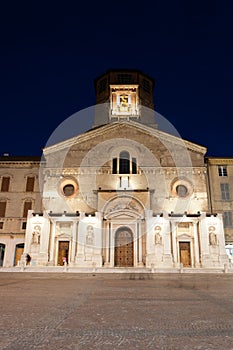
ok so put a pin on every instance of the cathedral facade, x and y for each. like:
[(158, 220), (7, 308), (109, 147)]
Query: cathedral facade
[(124, 194)]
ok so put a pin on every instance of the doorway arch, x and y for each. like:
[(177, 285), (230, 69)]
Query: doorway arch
[(124, 248)]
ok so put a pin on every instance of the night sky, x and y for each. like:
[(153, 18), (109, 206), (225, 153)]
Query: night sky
[(51, 52)]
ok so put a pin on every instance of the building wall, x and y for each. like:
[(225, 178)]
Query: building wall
[(13, 223), (220, 171)]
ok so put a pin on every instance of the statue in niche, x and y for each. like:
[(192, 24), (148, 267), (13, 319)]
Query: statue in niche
[(36, 235), (90, 235), (158, 237), (212, 236)]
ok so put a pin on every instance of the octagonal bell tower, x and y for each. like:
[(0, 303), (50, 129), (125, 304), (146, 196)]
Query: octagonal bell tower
[(124, 94)]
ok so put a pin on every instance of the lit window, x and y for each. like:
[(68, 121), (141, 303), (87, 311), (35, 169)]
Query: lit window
[(222, 170)]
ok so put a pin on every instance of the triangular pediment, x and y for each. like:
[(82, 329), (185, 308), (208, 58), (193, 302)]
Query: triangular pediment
[(131, 129)]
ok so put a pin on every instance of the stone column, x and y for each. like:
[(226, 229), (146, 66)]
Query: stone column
[(112, 244), (139, 231), (167, 242), (196, 246), (52, 245), (107, 232), (135, 246), (174, 247), (74, 241)]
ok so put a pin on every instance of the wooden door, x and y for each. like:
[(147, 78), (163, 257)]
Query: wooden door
[(18, 252), (63, 252), (124, 248), (185, 257)]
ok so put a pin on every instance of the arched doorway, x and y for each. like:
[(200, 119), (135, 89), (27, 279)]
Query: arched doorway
[(2, 252), (18, 252), (124, 247)]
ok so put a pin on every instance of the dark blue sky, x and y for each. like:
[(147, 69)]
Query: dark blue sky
[(51, 52)]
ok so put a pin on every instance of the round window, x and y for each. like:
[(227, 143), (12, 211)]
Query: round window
[(68, 190), (181, 191)]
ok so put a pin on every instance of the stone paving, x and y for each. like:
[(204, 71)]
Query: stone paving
[(116, 311)]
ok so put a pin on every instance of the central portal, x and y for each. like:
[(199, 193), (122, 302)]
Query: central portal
[(63, 252), (124, 247), (185, 257)]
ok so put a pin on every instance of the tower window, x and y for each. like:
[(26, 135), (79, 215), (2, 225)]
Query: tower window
[(102, 85), (146, 85), (222, 170), (124, 78)]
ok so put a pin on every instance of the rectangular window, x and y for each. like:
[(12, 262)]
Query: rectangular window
[(225, 191), (227, 219), (146, 85), (102, 85), (27, 206), (1, 225), (24, 225), (114, 166), (2, 209), (30, 184), (124, 79), (134, 165), (5, 184), (222, 170)]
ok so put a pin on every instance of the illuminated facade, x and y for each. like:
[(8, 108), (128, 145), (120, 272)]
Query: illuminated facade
[(123, 194)]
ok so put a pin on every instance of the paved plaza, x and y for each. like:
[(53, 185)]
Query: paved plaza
[(116, 311)]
